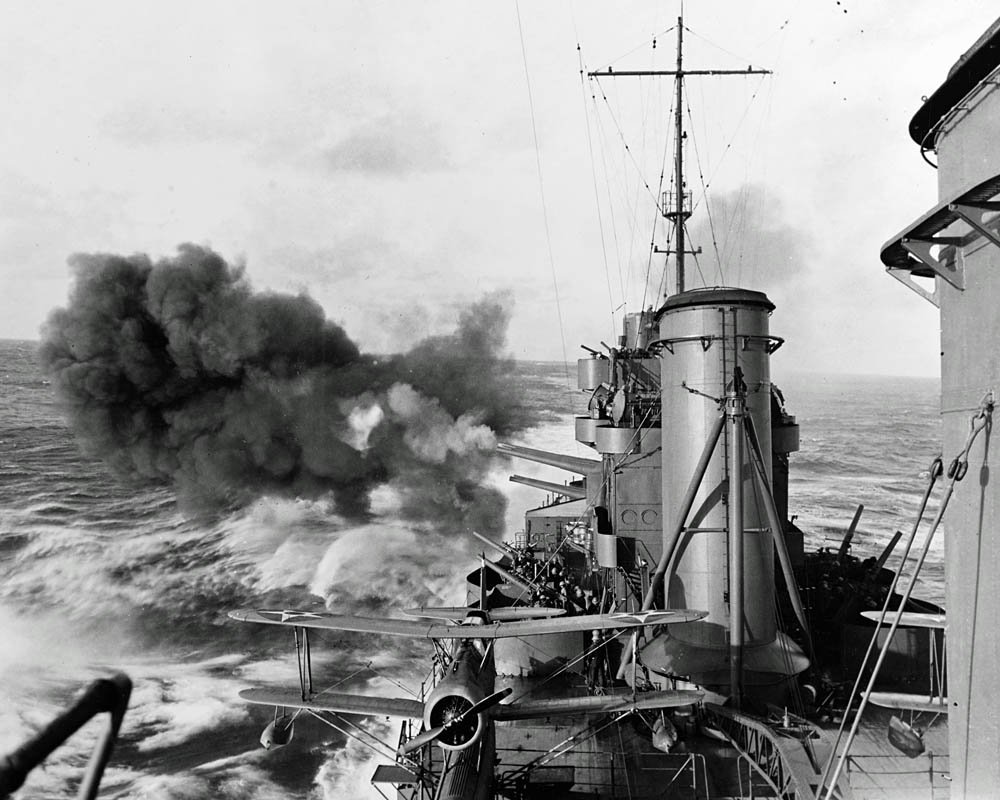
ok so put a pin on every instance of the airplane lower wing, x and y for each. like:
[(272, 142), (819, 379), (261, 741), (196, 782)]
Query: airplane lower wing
[(413, 709), (338, 703), (495, 630), (909, 619), (595, 704)]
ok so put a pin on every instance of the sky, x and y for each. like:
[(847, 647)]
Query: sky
[(397, 161)]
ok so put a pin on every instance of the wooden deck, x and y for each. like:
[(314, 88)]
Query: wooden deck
[(878, 771)]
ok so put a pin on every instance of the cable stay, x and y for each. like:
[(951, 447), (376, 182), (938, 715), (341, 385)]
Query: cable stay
[(677, 206), (541, 190), (979, 421)]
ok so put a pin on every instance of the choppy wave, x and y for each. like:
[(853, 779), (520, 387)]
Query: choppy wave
[(98, 575)]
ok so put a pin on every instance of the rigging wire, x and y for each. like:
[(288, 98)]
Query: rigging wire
[(597, 197), (656, 219), (708, 208), (628, 150), (764, 192), (541, 190), (621, 744), (644, 124), (632, 196), (607, 185), (741, 58), (956, 472), (661, 289), (729, 145), (754, 217), (697, 262), (651, 41)]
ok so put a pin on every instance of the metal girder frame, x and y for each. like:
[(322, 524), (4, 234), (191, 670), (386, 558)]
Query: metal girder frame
[(425, 786), (763, 750), (911, 252), (905, 277), (950, 269)]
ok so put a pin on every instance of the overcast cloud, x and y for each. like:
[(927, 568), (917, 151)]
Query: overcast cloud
[(381, 157)]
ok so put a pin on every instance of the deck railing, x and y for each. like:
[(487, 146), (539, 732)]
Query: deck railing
[(783, 763), (925, 777), (679, 775)]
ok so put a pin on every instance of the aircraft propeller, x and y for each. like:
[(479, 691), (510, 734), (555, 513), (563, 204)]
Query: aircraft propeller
[(435, 733)]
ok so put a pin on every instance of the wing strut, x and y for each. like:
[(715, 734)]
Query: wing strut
[(303, 655)]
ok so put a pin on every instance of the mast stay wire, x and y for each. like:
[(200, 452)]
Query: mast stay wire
[(597, 198), (661, 289), (697, 263), (642, 182), (656, 220), (729, 145), (650, 41), (765, 161), (607, 185), (708, 207), (635, 204), (628, 150), (541, 190), (781, 33), (748, 196), (648, 104), (707, 184), (979, 421)]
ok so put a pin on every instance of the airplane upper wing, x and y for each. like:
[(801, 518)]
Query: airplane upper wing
[(496, 630), (339, 703), (503, 614), (594, 704), (322, 619), (910, 702)]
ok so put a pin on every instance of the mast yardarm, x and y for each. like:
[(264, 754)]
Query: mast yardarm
[(678, 214)]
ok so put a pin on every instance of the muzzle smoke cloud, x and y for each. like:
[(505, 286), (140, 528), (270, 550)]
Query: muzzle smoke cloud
[(178, 372)]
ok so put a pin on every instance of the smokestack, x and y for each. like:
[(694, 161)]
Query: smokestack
[(711, 338)]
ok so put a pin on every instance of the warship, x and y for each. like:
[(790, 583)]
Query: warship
[(659, 627)]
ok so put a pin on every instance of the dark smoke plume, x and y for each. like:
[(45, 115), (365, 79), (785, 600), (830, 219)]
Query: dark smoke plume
[(177, 372)]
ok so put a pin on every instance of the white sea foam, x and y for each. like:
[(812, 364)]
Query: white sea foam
[(81, 591), (348, 773), (185, 705), (398, 565)]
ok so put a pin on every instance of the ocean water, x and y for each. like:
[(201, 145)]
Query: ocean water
[(101, 575)]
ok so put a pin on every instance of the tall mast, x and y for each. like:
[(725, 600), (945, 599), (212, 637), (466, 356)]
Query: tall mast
[(679, 212), (679, 216)]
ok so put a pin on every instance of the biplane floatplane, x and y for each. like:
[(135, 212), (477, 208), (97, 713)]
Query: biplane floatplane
[(459, 712), (905, 735)]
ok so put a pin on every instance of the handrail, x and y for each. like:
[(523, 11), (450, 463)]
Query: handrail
[(769, 753), (107, 694), (771, 343)]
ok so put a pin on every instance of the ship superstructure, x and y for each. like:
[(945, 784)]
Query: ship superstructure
[(950, 257), (658, 628)]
